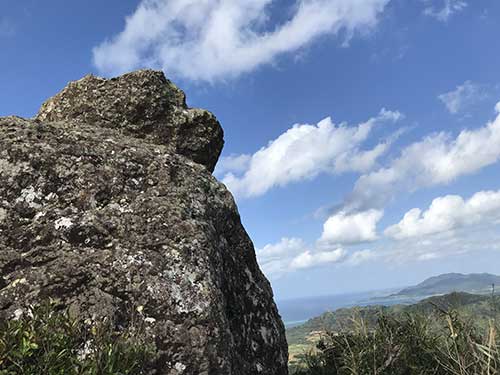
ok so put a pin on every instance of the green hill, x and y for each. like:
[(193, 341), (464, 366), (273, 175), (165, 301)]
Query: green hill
[(478, 283), (477, 308), (468, 294), (455, 333)]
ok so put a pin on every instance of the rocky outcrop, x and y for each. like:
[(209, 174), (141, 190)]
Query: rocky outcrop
[(107, 204), (142, 104)]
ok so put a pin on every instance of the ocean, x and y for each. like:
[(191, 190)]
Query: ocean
[(297, 311)]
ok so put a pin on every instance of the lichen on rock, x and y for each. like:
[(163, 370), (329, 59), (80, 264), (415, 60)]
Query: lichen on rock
[(108, 204), (143, 104)]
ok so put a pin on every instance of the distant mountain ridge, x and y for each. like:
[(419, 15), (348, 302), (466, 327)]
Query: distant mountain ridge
[(452, 282)]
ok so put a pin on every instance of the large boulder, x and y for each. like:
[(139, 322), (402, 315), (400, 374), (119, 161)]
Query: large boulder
[(107, 204), (143, 104)]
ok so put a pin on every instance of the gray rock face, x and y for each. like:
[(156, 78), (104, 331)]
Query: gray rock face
[(107, 204), (143, 104)]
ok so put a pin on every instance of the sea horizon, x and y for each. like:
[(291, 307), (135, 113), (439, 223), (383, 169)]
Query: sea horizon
[(296, 311)]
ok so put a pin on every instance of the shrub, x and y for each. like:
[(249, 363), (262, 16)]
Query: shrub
[(442, 343), (48, 342)]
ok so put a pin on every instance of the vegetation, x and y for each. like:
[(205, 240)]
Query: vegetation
[(414, 341), (470, 306), (455, 334), (48, 342)]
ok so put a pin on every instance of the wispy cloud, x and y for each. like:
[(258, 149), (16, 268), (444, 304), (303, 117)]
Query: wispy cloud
[(451, 226), (213, 39), (436, 160), (233, 164), (446, 10), (472, 228), (6, 28), (462, 97), (362, 256), (305, 151), (309, 259), (422, 236), (451, 243), (292, 254)]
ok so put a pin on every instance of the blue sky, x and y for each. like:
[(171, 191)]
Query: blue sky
[(362, 138)]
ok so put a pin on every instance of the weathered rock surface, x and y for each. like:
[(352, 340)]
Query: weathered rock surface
[(143, 104), (107, 204)]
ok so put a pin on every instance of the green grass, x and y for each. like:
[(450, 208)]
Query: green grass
[(48, 342)]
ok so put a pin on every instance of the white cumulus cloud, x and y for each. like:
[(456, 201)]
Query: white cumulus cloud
[(215, 39), (448, 213), (305, 151), (437, 159), (310, 259), (343, 228), (462, 96)]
